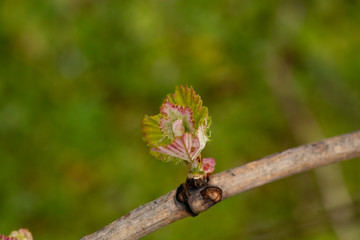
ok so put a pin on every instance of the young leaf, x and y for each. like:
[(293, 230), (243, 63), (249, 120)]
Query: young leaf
[(180, 131)]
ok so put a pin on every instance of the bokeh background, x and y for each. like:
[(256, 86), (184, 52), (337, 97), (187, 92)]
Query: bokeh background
[(77, 76)]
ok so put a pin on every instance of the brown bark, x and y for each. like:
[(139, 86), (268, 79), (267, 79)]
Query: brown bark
[(165, 210)]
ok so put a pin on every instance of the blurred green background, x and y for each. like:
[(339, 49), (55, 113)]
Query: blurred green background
[(76, 77)]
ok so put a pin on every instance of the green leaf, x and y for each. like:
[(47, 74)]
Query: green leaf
[(153, 135)]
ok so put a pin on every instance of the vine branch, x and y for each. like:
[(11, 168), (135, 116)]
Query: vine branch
[(166, 209)]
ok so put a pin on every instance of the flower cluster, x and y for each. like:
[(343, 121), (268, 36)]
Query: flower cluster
[(181, 131)]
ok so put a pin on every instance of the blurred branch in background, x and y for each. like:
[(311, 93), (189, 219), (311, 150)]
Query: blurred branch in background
[(305, 128), (165, 210), (310, 224)]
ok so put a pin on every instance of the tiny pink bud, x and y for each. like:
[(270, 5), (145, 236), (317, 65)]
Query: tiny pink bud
[(208, 165), (178, 128)]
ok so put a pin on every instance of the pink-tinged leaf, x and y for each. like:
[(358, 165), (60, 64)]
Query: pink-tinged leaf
[(208, 165), (180, 131), (185, 147), (170, 113), (178, 128), (186, 97)]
